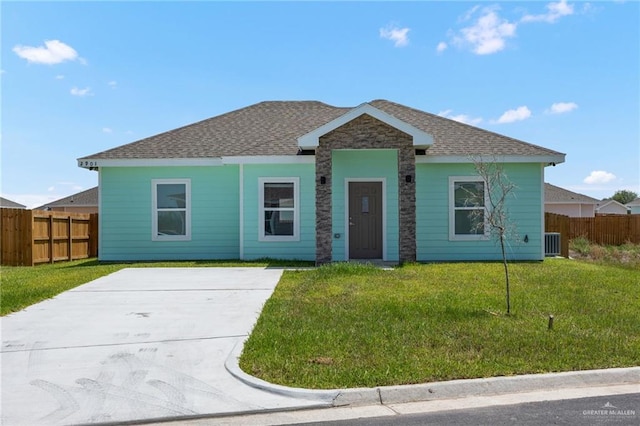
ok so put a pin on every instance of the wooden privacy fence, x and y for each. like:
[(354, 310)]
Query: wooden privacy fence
[(30, 237), (611, 230), (561, 224), (605, 230)]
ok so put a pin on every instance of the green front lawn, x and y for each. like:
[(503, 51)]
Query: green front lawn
[(23, 286), (347, 325)]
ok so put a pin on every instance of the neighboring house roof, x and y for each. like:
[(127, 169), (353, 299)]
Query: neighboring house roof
[(555, 194), (86, 198), (10, 204), (273, 128), (611, 204), (634, 203)]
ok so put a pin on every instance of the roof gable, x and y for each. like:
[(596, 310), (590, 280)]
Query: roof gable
[(311, 139), (612, 203)]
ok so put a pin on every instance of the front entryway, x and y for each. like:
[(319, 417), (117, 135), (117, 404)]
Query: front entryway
[(365, 220)]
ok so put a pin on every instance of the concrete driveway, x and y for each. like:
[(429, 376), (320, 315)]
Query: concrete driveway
[(137, 344)]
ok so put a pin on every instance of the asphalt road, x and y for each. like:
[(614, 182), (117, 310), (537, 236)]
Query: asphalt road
[(619, 410)]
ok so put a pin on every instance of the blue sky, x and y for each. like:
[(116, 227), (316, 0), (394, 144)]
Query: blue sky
[(82, 77)]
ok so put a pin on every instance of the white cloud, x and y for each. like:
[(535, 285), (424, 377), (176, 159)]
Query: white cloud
[(562, 107), (59, 77), (512, 115), (112, 84), (442, 46), (81, 92), (599, 176), (398, 35), (53, 52), (462, 118), (107, 130), (488, 34), (555, 11)]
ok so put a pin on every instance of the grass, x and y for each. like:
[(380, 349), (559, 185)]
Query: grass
[(23, 286), (349, 325), (626, 255)]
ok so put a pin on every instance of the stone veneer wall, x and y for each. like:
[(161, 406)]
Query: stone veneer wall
[(366, 132)]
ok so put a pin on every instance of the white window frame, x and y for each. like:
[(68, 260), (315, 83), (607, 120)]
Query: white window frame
[(154, 210), (296, 209), (452, 209)]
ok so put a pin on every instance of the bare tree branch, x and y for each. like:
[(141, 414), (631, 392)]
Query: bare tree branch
[(494, 217)]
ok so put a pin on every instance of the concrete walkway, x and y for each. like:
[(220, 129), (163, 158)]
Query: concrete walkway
[(137, 344)]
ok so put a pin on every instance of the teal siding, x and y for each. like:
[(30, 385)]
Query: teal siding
[(432, 215), (305, 248), (359, 164), (126, 213)]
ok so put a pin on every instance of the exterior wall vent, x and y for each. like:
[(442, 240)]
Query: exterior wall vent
[(552, 245)]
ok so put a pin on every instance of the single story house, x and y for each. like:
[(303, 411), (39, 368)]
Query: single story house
[(82, 202), (8, 204), (634, 206), (306, 180), (562, 201), (611, 207)]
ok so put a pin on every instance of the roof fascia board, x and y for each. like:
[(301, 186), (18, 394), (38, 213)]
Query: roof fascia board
[(549, 160), (89, 163), (586, 203), (71, 205), (270, 159), (312, 139)]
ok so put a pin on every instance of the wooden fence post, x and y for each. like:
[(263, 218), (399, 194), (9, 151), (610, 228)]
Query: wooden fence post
[(70, 239), (27, 238), (51, 239), (93, 234)]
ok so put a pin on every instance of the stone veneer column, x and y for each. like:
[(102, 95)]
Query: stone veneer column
[(324, 228), (366, 132), (407, 203)]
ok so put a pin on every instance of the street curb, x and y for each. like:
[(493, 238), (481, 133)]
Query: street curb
[(232, 366), (508, 385), (385, 395)]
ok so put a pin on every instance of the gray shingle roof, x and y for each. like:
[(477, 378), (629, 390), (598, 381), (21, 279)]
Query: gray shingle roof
[(634, 203), (555, 194), (88, 198), (6, 203), (454, 138), (273, 127)]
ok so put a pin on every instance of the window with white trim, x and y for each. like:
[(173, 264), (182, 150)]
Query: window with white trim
[(171, 220), (467, 201), (279, 209)]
